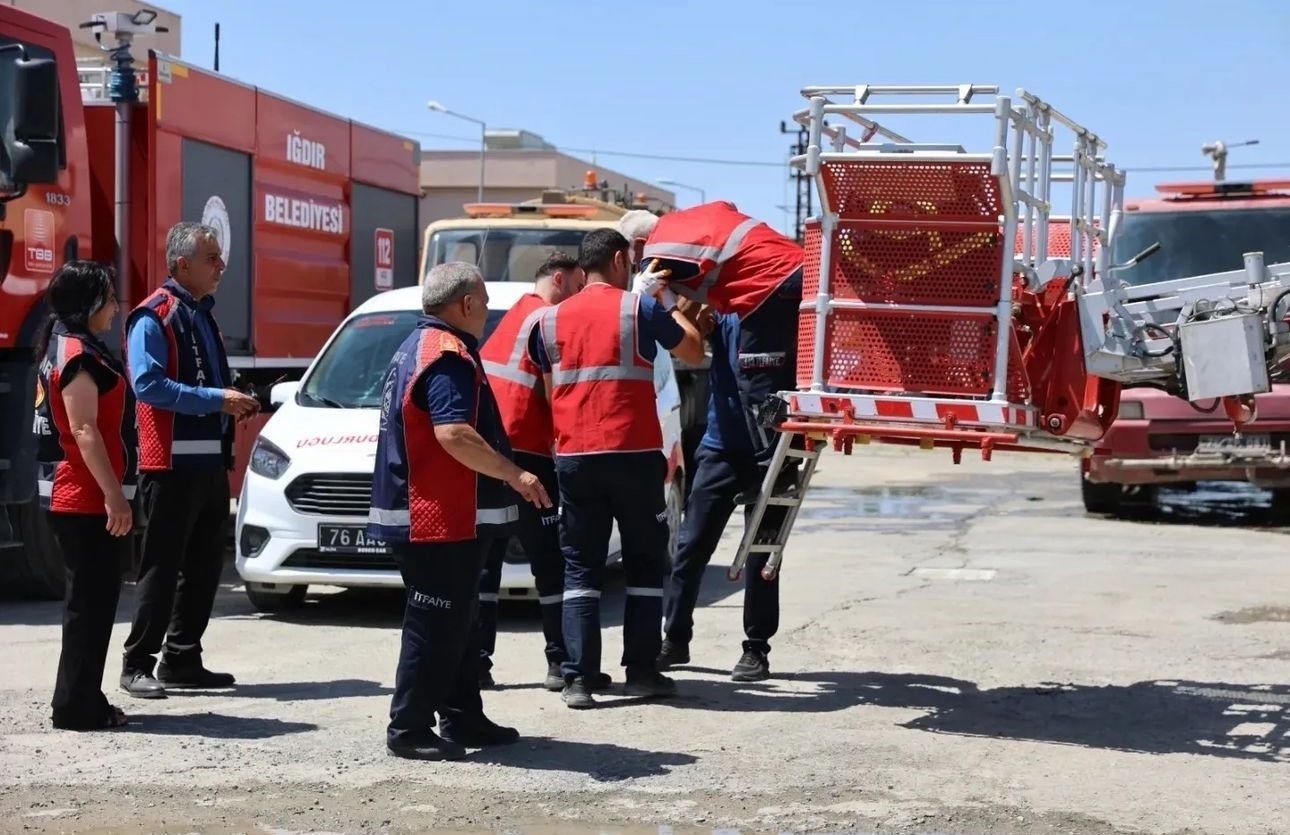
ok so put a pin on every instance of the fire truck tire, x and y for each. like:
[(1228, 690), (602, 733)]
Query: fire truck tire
[(36, 570), (1099, 497), (270, 602)]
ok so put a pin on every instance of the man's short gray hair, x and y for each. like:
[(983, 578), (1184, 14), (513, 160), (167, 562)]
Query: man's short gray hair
[(637, 223), (181, 241), (447, 283)]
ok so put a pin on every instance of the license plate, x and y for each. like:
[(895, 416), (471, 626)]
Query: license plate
[(1231, 443), (348, 539)]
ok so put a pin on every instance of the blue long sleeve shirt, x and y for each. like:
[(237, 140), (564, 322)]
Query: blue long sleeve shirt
[(148, 352)]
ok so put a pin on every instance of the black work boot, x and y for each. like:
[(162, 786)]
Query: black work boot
[(476, 731), (672, 654), (486, 679), (193, 675), (432, 747), (649, 684), (577, 695), (752, 666)]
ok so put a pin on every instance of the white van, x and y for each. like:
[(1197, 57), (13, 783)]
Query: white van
[(302, 512)]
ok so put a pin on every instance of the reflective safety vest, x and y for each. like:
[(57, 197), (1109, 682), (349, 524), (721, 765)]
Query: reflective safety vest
[(169, 440), (420, 493), (65, 482), (740, 260), (517, 381), (602, 389)]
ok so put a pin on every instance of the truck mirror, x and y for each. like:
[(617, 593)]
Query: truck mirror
[(32, 143)]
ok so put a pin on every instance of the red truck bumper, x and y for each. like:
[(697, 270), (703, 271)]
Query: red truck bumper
[(1177, 451)]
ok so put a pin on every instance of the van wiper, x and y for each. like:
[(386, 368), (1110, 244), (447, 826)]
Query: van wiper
[(326, 401)]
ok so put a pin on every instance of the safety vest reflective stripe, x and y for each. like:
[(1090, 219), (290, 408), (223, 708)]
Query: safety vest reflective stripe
[(195, 448), (483, 516), (626, 369), (45, 488), (699, 252), (683, 252), (506, 372), (728, 251), (643, 591), (574, 594)]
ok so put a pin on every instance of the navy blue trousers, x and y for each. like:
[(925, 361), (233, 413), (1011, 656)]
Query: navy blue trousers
[(438, 659), (718, 479), (539, 534), (596, 490)]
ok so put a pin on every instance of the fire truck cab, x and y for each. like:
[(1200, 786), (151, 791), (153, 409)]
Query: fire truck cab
[(1158, 438)]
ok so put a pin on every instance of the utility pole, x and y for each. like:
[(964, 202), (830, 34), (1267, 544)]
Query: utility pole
[(803, 208)]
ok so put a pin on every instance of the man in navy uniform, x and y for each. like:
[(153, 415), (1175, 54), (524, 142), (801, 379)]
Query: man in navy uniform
[(444, 485), (725, 468)]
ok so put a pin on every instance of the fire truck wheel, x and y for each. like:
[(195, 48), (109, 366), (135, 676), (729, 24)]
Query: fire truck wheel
[(271, 601), (1099, 497), (36, 571)]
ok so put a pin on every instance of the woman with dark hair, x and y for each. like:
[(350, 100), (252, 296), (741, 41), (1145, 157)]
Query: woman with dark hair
[(85, 428)]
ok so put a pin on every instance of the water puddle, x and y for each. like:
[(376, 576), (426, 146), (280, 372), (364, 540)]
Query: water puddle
[(919, 503), (1216, 503)]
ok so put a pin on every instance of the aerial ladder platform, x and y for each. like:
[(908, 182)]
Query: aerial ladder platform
[(945, 304)]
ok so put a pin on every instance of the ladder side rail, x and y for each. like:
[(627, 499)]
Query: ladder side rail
[(1090, 204), (771, 569), (862, 92), (753, 523), (1006, 118), (1042, 121), (827, 221), (872, 128)]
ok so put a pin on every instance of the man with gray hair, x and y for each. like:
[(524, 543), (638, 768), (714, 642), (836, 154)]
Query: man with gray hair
[(444, 485), (185, 409)]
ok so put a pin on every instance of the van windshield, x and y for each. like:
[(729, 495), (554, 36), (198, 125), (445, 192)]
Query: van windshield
[(351, 371), (509, 254)]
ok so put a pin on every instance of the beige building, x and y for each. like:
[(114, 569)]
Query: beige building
[(518, 165)]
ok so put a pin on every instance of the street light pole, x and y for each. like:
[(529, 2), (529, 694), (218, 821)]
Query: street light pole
[(703, 195), (483, 138)]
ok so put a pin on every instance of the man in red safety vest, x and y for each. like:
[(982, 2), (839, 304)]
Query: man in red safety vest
[(597, 350), (526, 414), (737, 264)]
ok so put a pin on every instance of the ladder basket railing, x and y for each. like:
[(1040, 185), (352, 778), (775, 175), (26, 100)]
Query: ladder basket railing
[(911, 268)]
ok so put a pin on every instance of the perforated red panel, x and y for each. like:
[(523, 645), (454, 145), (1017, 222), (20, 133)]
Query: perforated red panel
[(1059, 239), (912, 265), (911, 352), (959, 190), (806, 320)]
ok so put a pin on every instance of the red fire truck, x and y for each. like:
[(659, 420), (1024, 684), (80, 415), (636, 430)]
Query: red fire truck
[(315, 214)]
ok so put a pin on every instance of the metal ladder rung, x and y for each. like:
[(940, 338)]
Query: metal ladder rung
[(783, 502), (765, 549), (800, 453)]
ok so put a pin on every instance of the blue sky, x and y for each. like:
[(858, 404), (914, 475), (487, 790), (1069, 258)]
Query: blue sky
[(714, 80)]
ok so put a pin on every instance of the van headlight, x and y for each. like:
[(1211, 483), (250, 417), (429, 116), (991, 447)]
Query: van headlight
[(1131, 410), (268, 460)]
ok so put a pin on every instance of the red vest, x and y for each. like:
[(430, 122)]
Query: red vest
[(73, 488), (517, 381), (741, 260), (420, 493), (170, 440), (602, 389)]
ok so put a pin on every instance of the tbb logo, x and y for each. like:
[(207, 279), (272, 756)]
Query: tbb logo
[(38, 240)]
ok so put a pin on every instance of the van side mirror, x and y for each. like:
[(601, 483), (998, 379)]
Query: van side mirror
[(283, 392), (31, 145)]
